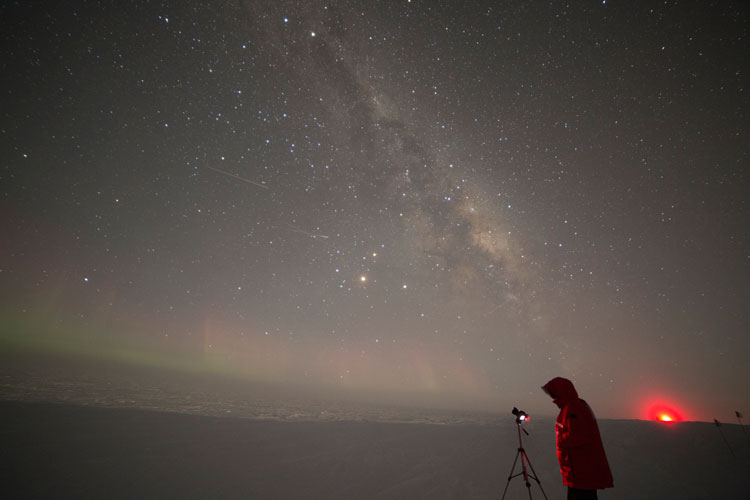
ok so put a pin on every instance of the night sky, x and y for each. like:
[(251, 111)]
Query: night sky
[(443, 202)]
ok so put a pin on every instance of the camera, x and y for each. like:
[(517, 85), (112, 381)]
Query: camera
[(521, 416)]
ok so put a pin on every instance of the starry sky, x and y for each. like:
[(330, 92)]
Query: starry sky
[(438, 202)]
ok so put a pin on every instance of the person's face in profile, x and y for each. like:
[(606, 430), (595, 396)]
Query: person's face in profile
[(554, 398)]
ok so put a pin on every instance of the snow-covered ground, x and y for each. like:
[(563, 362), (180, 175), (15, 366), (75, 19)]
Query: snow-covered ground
[(77, 451)]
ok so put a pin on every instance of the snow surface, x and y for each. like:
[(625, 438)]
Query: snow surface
[(76, 451)]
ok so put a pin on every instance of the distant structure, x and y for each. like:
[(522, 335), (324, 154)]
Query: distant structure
[(739, 419), (718, 426)]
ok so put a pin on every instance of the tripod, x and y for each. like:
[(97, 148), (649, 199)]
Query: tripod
[(524, 458)]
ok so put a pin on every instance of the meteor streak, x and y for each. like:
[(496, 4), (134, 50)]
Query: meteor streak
[(307, 233), (238, 177)]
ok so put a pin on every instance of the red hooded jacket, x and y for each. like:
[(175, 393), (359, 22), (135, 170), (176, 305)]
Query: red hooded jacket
[(583, 463)]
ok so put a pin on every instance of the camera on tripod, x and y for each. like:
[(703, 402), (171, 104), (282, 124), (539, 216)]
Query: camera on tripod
[(521, 416)]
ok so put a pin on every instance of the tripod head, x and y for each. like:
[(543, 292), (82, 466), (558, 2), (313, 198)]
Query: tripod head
[(521, 417)]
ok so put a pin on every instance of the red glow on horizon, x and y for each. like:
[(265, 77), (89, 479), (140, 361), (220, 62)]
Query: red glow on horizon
[(662, 406), (663, 413)]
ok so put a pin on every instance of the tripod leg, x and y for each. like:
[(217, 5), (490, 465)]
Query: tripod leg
[(533, 476), (510, 474)]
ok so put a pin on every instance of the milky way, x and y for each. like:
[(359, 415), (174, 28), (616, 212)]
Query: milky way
[(453, 201)]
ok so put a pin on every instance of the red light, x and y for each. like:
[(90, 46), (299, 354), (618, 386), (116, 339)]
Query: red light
[(663, 407), (663, 413)]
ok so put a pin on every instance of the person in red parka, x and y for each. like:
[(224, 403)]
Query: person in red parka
[(583, 463)]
